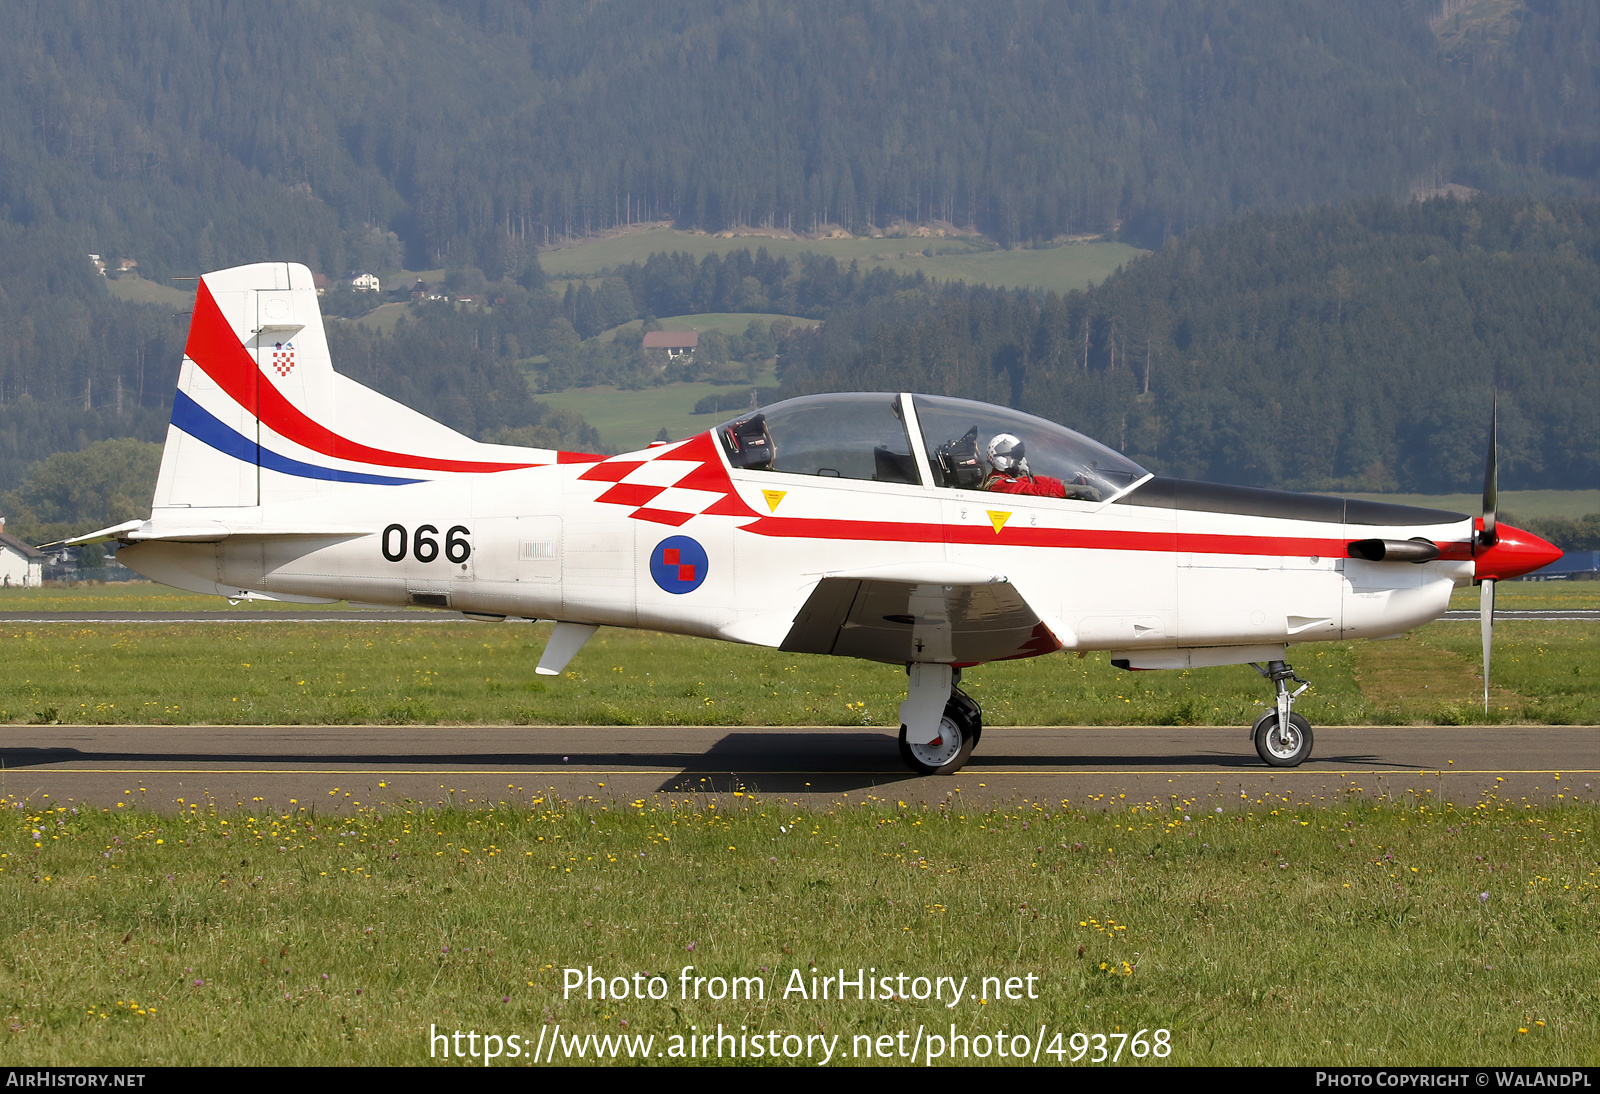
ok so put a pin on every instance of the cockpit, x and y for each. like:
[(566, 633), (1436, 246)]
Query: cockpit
[(960, 445)]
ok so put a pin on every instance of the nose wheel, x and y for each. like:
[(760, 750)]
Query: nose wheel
[(1282, 737), (1282, 747)]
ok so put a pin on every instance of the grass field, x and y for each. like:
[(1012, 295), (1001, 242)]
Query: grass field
[(726, 322), (1533, 595), (1522, 503), (136, 289), (628, 420), (1059, 269), (1250, 931), (1272, 932), (351, 673), (384, 317)]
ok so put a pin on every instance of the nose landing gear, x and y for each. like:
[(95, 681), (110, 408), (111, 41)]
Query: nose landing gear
[(1282, 738)]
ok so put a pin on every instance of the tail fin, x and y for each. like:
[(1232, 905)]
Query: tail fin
[(261, 417)]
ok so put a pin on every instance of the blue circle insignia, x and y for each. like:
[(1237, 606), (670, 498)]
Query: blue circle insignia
[(679, 564)]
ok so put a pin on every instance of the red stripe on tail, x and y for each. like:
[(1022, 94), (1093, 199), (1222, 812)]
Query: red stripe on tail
[(217, 350)]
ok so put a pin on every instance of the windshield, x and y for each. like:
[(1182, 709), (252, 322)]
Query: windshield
[(976, 446), (853, 436)]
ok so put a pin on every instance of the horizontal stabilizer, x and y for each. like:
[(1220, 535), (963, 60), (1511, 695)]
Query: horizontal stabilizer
[(104, 535), (144, 531)]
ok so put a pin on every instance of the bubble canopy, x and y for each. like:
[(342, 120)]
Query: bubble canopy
[(865, 436), (1054, 450)]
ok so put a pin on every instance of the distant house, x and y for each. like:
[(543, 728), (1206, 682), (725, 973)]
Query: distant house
[(362, 281), (127, 265), (98, 263), (20, 565), (677, 343)]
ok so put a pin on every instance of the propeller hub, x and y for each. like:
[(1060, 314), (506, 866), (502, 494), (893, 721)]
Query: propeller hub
[(1512, 554)]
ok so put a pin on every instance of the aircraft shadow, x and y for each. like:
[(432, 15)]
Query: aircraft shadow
[(799, 762), (770, 761)]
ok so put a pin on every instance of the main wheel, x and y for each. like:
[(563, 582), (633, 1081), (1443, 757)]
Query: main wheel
[(968, 711), (1289, 748), (947, 753)]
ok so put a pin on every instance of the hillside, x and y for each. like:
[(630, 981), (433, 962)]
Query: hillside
[(967, 258), (464, 132), (460, 136), (1355, 347)]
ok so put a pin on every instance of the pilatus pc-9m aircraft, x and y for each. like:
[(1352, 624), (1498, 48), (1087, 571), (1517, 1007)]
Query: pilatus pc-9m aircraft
[(915, 530)]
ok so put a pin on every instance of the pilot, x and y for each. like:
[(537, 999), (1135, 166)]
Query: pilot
[(1008, 458), (1010, 475)]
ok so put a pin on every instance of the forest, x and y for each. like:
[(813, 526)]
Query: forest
[(1303, 320), (1354, 347), (461, 133)]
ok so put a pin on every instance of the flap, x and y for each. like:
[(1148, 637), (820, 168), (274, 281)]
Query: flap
[(900, 621)]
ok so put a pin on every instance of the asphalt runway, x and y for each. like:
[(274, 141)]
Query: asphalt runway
[(166, 768)]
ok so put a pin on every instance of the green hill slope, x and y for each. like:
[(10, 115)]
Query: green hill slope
[(1355, 347)]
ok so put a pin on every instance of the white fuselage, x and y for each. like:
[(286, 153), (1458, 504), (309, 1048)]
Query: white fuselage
[(542, 542)]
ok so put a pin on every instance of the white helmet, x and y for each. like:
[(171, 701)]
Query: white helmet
[(1007, 454)]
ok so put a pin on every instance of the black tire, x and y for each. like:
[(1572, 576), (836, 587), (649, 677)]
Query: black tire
[(1282, 750), (962, 703), (959, 730)]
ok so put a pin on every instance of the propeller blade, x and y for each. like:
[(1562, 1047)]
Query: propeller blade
[(1486, 626), (1491, 484)]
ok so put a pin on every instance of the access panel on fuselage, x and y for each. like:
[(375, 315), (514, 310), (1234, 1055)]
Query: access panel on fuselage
[(1240, 581)]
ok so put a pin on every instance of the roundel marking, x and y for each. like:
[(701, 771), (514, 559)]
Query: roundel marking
[(679, 564)]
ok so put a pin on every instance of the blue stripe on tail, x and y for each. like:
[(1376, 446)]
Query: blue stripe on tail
[(202, 425)]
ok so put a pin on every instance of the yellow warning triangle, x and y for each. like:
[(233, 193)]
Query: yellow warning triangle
[(773, 498), (998, 519)]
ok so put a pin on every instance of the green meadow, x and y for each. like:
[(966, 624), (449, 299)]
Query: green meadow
[(1521, 503), (133, 288), (1188, 931), (441, 673), (725, 321), (384, 317), (952, 258), (629, 420), (1166, 932)]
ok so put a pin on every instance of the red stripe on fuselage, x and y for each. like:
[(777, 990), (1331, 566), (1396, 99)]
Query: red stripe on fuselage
[(217, 350), (1083, 539)]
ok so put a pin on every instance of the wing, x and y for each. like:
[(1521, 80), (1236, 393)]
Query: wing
[(958, 615)]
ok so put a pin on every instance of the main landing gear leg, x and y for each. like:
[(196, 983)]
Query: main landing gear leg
[(942, 747), (1283, 738)]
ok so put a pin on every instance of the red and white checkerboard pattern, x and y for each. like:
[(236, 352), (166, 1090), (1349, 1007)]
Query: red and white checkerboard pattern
[(283, 358), (672, 484)]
